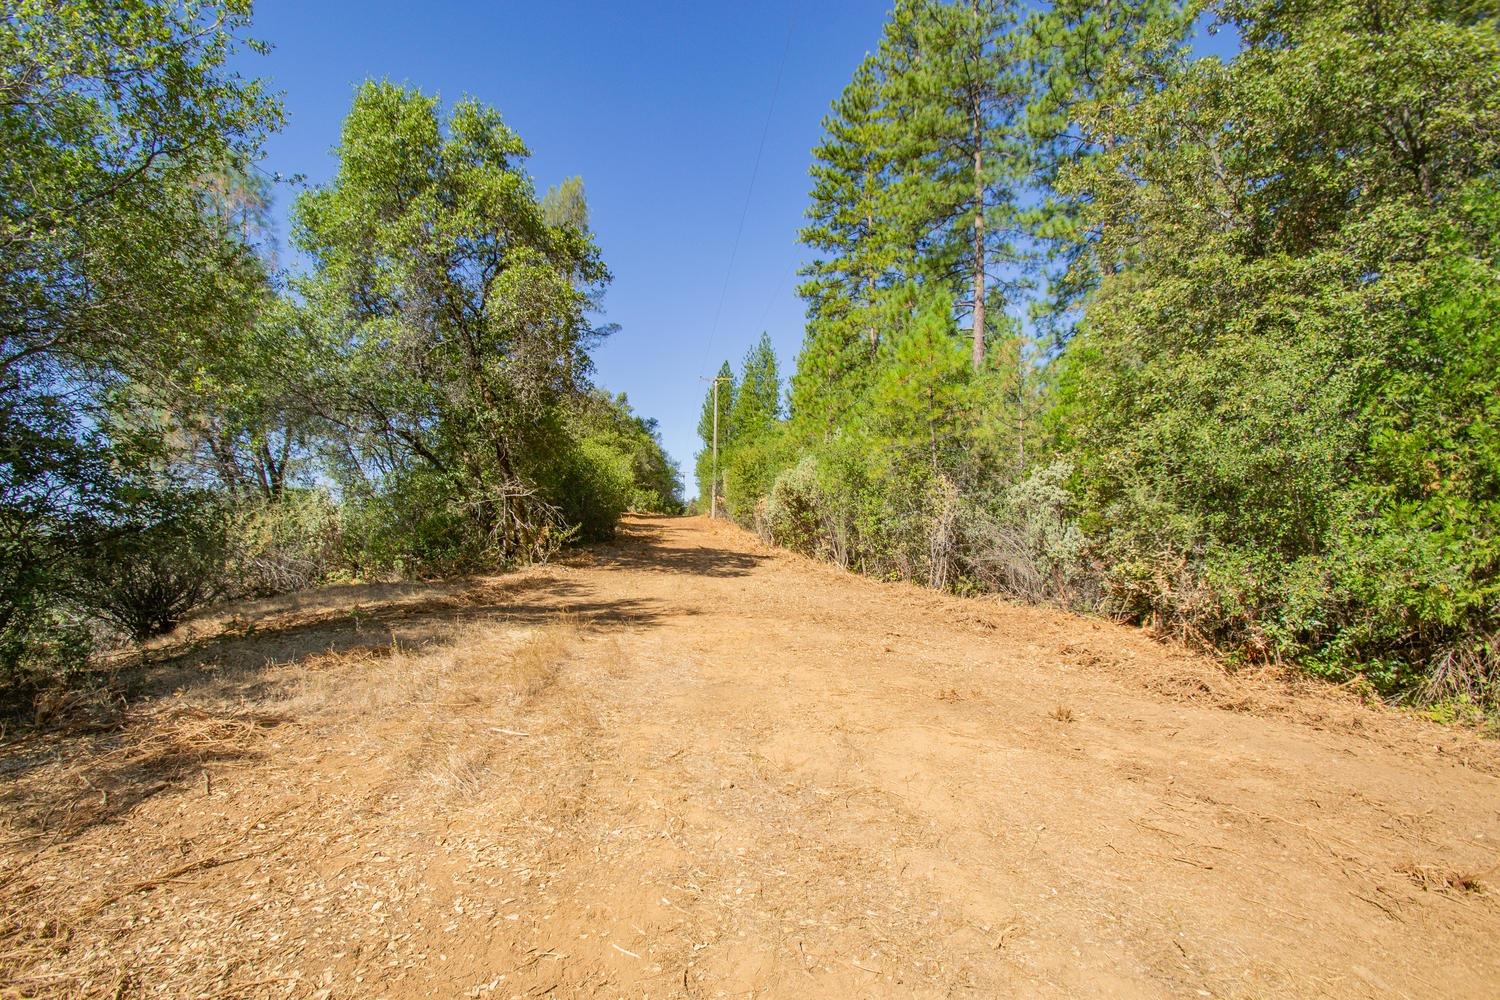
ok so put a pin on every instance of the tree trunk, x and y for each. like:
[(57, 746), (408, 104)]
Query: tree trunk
[(1021, 437), (976, 112), (265, 471), (978, 358), (870, 304), (870, 273), (1107, 264)]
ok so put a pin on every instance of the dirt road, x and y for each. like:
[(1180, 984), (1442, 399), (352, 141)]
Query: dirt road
[(688, 766)]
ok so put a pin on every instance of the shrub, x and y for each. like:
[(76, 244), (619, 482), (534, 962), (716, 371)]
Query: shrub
[(286, 544), (853, 504), (395, 532), (422, 523), (793, 514), (597, 486), (146, 578), (751, 467), (1028, 545), (47, 646)]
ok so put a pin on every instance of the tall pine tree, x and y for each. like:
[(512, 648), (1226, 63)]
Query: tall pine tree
[(956, 86), (1090, 60), (849, 229)]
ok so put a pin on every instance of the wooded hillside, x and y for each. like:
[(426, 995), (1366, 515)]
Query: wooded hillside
[(1208, 344), (183, 419)]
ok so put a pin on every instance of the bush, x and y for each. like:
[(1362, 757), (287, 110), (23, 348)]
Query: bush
[(145, 579), (905, 522), (290, 543), (1028, 545), (1319, 481), (793, 515), (401, 530), (425, 524), (46, 647), (606, 422), (597, 486), (749, 469), (853, 503)]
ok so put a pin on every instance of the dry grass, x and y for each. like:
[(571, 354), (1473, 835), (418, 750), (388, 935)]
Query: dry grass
[(1437, 878), (455, 697), (442, 713), (1063, 713), (463, 666), (143, 751)]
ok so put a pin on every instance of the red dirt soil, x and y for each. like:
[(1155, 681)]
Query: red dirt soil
[(686, 765)]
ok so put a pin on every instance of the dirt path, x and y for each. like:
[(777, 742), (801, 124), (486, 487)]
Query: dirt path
[(687, 766)]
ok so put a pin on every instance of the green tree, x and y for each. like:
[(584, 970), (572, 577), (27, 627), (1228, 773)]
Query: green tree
[(241, 420), (1088, 59), (609, 421), (114, 271), (921, 403), (849, 229), (916, 215), (757, 397), (1285, 226), (757, 437), (955, 83), (567, 205), (456, 319)]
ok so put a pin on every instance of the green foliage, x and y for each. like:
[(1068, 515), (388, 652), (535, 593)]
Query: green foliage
[(1282, 404), (1088, 58), (753, 443), (165, 413), (793, 515), (242, 418), (1417, 546), (920, 403), (851, 229), (414, 527), (598, 485), (712, 424), (289, 542), (1268, 418), (116, 273), (453, 307), (757, 395), (567, 205), (750, 468), (900, 416), (145, 578), (653, 482), (1029, 544)]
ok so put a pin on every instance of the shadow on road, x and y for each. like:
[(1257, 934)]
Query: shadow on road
[(352, 618), (644, 543), (128, 751)]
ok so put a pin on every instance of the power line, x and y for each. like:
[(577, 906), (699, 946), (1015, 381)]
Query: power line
[(754, 173)]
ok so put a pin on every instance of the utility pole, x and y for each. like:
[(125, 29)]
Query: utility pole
[(713, 502)]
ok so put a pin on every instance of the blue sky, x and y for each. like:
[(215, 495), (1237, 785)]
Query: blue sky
[(659, 105)]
